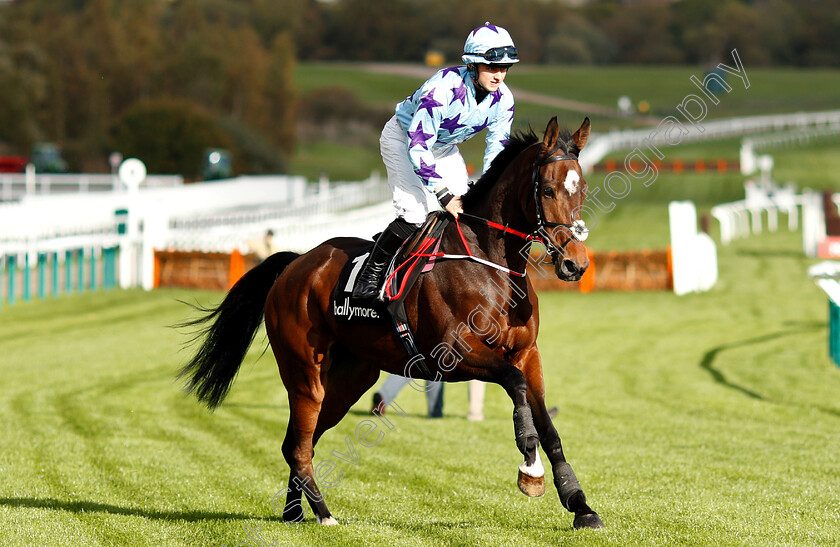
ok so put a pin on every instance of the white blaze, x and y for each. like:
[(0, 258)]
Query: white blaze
[(571, 183)]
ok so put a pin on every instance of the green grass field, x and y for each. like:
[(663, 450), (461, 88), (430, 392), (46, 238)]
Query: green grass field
[(708, 419), (664, 87)]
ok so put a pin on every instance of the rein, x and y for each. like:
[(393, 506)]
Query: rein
[(423, 251), (470, 255), (501, 227)]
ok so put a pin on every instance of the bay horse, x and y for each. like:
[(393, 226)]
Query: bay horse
[(475, 319)]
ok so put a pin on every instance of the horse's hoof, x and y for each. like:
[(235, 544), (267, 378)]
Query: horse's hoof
[(592, 520), (533, 487), (329, 521)]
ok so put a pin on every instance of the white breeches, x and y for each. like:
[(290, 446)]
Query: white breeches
[(412, 201)]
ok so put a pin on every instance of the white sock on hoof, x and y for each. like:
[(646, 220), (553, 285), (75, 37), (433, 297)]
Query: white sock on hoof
[(329, 521), (535, 470)]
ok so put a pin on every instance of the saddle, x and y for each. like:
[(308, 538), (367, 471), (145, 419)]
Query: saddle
[(413, 257), (411, 260)]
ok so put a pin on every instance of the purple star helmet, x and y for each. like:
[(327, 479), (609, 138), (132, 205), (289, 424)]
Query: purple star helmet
[(491, 45)]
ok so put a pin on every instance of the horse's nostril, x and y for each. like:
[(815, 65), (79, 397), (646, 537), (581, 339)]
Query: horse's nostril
[(570, 266)]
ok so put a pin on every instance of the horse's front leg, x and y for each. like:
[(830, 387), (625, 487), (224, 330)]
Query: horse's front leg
[(568, 488), (531, 473)]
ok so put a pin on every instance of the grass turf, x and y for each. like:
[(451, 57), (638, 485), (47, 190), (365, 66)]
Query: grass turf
[(703, 420)]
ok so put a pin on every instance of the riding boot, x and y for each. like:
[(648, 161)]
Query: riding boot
[(389, 241)]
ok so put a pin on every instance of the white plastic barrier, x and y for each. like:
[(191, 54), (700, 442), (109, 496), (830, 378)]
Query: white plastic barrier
[(826, 275), (297, 233), (693, 253), (813, 222)]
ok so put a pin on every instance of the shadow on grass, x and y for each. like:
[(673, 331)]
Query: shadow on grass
[(769, 253), (246, 405), (707, 363), (93, 507), (369, 414)]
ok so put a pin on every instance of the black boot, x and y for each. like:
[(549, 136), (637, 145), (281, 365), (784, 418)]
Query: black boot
[(370, 278)]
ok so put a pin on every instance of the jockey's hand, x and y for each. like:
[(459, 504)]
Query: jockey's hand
[(455, 207)]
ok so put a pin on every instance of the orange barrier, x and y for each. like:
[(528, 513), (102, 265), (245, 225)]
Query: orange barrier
[(648, 270), (156, 278), (719, 165), (237, 267), (213, 271), (587, 282)]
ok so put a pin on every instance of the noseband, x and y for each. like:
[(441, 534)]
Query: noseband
[(577, 229)]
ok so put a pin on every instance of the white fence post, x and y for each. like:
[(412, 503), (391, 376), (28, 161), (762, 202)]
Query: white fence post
[(30, 179), (813, 222), (154, 237), (693, 254)]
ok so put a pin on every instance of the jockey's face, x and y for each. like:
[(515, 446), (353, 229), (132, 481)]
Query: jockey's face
[(490, 77)]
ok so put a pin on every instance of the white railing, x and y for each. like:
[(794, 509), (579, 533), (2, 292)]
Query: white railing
[(14, 186), (216, 216), (799, 137), (355, 209), (321, 199), (600, 145), (39, 216), (744, 217), (296, 233)]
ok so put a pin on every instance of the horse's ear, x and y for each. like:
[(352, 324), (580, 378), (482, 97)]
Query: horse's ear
[(552, 131), (582, 134)]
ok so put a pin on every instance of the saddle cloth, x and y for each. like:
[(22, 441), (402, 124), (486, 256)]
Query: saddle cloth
[(409, 262), (356, 310)]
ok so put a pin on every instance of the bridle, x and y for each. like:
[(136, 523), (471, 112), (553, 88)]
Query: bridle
[(577, 228)]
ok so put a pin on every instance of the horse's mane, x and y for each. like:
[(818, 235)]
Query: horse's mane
[(518, 142)]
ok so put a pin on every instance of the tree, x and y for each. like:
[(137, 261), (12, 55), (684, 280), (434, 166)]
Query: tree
[(281, 97), (643, 34), (378, 30), (169, 136), (23, 89), (576, 40)]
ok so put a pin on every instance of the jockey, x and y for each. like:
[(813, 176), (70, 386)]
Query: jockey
[(419, 143)]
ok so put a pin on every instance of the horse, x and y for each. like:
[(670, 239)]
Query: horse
[(475, 319)]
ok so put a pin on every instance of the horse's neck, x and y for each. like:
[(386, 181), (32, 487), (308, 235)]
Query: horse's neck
[(503, 202), (503, 206)]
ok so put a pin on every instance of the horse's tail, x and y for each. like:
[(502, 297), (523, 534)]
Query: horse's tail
[(228, 330)]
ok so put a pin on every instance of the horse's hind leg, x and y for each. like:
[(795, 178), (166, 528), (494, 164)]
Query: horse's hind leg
[(346, 380), (301, 355), (305, 402)]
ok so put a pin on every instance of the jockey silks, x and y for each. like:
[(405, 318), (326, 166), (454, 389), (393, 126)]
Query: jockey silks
[(443, 112)]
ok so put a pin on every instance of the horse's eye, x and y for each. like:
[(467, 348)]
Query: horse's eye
[(548, 191)]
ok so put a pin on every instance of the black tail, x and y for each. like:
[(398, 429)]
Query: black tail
[(228, 330)]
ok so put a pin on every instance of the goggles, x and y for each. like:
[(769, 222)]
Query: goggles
[(496, 54)]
